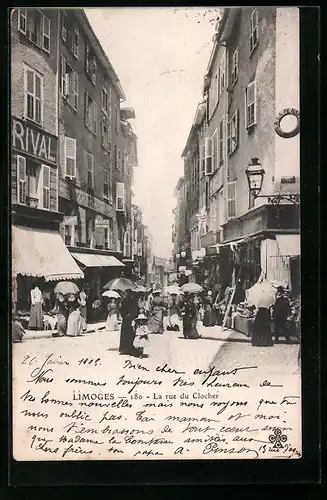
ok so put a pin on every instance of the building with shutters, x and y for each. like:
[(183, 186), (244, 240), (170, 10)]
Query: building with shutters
[(38, 251), (74, 149), (252, 75)]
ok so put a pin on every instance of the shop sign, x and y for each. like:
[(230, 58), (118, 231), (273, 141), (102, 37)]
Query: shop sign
[(34, 141), (101, 224), (86, 200), (70, 220)]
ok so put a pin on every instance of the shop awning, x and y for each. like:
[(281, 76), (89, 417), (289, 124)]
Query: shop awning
[(289, 244), (42, 253), (97, 260)]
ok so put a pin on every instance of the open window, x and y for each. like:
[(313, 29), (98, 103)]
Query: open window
[(35, 26), (69, 84)]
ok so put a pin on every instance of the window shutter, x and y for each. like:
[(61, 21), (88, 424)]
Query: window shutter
[(46, 33), (74, 96), (87, 60), (46, 187), (22, 20), (251, 107), (64, 78), (208, 155), (94, 117), (21, 179), (70, 157), (120, 188), (231, 199), (75, 42)]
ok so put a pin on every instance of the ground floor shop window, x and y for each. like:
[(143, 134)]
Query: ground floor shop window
[(251, 266)]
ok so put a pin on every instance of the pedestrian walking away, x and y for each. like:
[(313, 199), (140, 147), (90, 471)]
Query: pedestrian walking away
[(262, 336), (208, 316), (128, 312), (36, 313), (281, 311), (190, 318), (173, 313)]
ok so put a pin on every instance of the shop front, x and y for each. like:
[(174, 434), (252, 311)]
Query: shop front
[(98, 268), (39, 255), (264, 244)]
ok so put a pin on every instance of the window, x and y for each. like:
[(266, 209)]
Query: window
[(126, 163), (45, 202), (221, 142), (120, 197), (33, 92), (90, 114), (108, 235), (231, 200), (222, 76), (127, 244), (215, 151), (233, 133), (70, 157), (118, 159), (89, 168), (105, 175), (202, 159), (115, 156), (117, 120), (104, 136), (104, 100), (90, 64), (234, 72), (250, 105), (35, 26), (64, 26), (254, 31), (69, 84), (208, 155), (75, 42), (21, 180)]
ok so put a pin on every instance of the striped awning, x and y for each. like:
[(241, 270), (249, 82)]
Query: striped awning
[(42, 253), (97, 260)]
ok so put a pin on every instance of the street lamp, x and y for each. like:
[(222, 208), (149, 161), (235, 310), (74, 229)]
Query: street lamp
[(183, 254), (177, 256), (255, 174)]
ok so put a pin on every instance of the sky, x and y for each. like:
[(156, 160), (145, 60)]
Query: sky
[(160, 56)]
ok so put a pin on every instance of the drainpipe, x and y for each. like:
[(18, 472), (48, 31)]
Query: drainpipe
[(58, 104)]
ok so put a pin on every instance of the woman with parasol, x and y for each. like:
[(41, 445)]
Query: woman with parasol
[(262, 336), (112, 318), (128, 311), (69, 309)]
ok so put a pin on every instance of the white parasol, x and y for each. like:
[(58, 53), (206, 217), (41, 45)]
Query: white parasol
[(261, 294), (111, 294)]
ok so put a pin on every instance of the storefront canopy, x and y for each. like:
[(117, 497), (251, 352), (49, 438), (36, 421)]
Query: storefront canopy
[(42, 253), (289, 244), (96, 260)]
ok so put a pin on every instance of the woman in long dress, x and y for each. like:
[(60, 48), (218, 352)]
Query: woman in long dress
[(190, 317), (112, 318), (173, 313), (262, 336), (74, 322), (36, 313), (62, 315), (156, 324), (129, 312), (209, 316)]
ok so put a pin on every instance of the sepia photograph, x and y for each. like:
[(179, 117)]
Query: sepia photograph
[(155, 233)]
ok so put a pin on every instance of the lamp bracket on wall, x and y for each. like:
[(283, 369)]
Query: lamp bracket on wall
[(275, 199)]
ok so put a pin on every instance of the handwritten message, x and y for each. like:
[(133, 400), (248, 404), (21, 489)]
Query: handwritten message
[(74, 407)]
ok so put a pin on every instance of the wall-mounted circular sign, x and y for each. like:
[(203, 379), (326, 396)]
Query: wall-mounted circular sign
[(283, 114)]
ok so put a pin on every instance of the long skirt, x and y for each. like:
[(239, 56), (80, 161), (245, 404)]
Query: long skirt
[(83, 311), (127, 335), (190, 330), (155, 324), (74, 323), (61, 324), (36, 317), (209, 317), (261, 336), (112, 322)]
